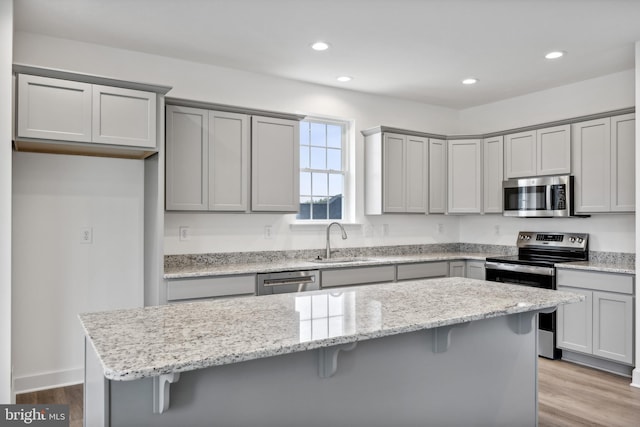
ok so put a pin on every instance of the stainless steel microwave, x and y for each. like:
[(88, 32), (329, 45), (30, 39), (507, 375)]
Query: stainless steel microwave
[(539, 197)]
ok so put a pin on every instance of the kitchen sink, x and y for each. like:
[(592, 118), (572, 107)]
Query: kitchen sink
[(338, 260)]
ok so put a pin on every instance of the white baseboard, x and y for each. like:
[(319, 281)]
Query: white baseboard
[(46, 380), (635, 378)]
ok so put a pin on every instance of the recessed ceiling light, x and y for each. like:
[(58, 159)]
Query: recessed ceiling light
[(320, 46), (344, 79), (555, 54), (470, 81)]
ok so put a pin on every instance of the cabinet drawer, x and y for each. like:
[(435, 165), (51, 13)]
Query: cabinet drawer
[(357, 276), (423, 270), (610, 282), (208, 287)]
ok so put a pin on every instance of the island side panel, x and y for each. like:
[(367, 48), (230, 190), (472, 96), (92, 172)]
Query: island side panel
[(96, 389), (487, 376)]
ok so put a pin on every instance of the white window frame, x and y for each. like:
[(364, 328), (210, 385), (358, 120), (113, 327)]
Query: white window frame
[(348, 198)]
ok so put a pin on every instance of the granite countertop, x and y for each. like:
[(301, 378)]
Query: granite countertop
[(146, 342), (603, 266), (204, 269)]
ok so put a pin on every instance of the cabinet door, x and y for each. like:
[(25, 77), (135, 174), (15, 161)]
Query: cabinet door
[(54, 109), (437, 176), (623, 144), (228, 161), (591, 143), (275, 164), (393, 173), (613, 326), (553, 150), (575, 323), (493, 168), (464, 183), (416, 174), (475, 270), (457, 269), (520, 154), (187, 173), (124, 117)]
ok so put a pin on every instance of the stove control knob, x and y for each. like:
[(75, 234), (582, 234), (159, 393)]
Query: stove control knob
[(528, 237), (580, 240), (572, 239), (521, 237)]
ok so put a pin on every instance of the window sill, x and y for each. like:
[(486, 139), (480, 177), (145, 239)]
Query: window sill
[(322, 225)]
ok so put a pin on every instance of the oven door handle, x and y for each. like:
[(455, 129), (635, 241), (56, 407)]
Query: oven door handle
[(520, 268)]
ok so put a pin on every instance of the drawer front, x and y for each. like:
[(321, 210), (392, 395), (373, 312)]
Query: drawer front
[(209, 287), (608, 282), (423, 270), (357, 276)]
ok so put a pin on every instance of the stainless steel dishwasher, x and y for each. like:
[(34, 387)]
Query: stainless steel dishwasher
[(288, 281)]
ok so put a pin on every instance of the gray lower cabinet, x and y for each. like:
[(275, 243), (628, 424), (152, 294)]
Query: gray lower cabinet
[(475, 270), (602, 325), (357, 276), (423, 270), (181, 290), (457, 269)]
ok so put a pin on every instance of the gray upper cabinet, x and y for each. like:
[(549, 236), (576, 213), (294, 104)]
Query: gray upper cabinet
[(464, 176), (539, 152), (493, 173), (54, 109), (396, 173), (228, 161), (623, 154), (520, 154), (275, 164), (187, 166), (604, 164), (207, 160), (65, 110), (124, 116), (437, 176)]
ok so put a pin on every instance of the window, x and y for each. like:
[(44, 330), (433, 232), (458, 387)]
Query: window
[(322, 169)]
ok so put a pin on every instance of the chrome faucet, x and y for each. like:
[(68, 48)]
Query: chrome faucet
[(344, 237)]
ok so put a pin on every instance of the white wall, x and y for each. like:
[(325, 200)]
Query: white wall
[(55, 275), (220, 233), (597, 95), (607, 232), (6, 59)]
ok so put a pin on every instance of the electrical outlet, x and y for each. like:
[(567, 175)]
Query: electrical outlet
[(367, 230), (86, 235), (268, 232), (440, 228), (496, 228), (183, 233), (385, 229)]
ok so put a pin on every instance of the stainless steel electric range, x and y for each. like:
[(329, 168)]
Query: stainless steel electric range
[(534, 266)]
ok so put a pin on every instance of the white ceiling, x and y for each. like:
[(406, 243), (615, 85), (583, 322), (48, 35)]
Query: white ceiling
[(414, 49)]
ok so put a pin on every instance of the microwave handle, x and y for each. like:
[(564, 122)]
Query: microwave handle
[(549, 197)]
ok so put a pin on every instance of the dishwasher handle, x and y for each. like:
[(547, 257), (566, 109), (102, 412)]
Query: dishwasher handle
[(302, 280)]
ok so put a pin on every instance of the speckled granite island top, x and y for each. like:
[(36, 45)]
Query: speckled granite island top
[(151, 341)]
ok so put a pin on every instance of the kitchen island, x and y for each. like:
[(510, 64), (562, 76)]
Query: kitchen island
[(448, 351)]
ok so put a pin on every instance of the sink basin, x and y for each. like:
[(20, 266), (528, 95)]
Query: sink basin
[(338, 260)]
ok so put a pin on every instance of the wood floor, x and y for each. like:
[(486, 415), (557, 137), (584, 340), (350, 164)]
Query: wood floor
[(569, 395), (573, 395), (71, 396)]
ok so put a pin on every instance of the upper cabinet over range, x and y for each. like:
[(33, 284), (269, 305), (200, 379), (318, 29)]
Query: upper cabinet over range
[(77, 115), (538, 152)]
